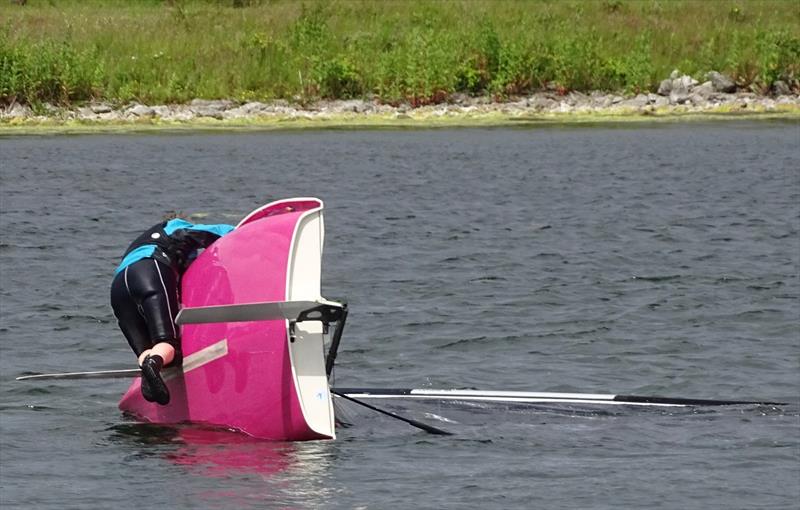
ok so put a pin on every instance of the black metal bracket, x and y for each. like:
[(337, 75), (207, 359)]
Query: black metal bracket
[(337, 337), (327, 314), (324, 313)]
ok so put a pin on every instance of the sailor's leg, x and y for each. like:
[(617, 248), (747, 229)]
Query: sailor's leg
[(163, 349), (159, 305), (131, 321), (129, 318), (155, 287)]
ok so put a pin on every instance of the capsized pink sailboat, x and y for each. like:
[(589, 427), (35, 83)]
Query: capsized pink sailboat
[(253, 333)]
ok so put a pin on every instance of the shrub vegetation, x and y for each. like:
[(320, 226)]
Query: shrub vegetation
[(416, 51)]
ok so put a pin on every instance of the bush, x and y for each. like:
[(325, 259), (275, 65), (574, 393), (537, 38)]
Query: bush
[(778, 56), (47, 72)]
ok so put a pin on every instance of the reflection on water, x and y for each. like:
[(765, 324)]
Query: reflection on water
[(290, 473), (221, 453)]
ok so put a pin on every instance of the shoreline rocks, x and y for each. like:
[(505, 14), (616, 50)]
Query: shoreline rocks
[(676, 95)]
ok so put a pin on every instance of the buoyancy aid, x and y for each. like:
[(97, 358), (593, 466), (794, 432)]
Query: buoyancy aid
[(174, 242)]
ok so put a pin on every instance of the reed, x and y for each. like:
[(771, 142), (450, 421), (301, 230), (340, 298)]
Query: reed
[(416, 51)]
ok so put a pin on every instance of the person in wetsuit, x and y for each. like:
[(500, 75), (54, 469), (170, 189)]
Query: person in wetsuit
[(145, 295)]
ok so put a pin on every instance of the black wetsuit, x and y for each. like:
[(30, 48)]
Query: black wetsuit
[(145, 289)]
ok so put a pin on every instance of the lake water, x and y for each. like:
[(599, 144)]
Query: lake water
[(640, 259)]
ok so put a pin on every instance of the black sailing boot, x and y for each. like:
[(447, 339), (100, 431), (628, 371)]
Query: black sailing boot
[(153, 387)]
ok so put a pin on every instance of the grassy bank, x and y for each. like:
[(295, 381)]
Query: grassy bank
[(417, 51)]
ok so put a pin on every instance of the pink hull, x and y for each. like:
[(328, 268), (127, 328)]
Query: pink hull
[(250, 386)]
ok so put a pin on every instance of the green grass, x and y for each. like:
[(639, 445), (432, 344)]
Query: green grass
[(416, 51)]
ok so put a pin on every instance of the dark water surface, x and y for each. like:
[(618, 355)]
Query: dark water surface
[(636, 260)]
